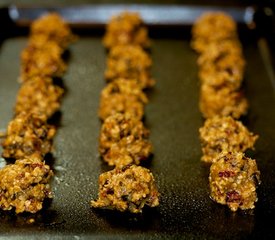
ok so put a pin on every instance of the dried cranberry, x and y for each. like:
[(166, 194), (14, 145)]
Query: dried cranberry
[(226, 174), (34, 165), (233, 196), (110, 191)]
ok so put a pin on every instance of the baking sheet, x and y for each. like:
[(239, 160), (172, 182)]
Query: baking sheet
[(172, 115)]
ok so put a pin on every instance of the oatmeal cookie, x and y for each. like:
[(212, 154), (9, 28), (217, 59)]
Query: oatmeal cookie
[(217, 51), (221, 69), (24, 185), (123, 140), (126, 28), (39, 95), (222, 102), (212, 27), (231, 78), (41, 57), (122, 96), (233, 180), (54, 28), (28, 134), (127, 189), (129, 61), (224, 134)]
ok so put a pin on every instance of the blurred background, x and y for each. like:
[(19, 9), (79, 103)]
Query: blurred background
[(209, 2)]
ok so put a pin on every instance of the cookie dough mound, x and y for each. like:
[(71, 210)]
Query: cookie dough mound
[(24, 185), (218, 51), (123, 140), (54, 28), (127, 189), (222, 65), (28, 134), (41, 57), (222, 102), (224, 134), (212, 27), (126, 28), (122, 96), (129, 61), (39, 95), (233, 180)]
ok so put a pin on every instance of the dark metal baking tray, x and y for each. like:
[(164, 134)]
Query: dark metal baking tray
[(172, 115)]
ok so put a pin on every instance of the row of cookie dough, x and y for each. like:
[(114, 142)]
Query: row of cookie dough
[(221, 66), (127, 67), (124, 140), (233, 176), (25, 183)]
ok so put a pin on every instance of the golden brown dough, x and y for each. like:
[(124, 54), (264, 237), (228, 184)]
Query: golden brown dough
[(129, 61), (224, 134), (28, 134), (40, 96), (123, 140), (54, 28), (127, 189), (25, 184), (122, 96), (222, 102), (126, 28), (233, 180), (42, 57), (217, 51), (222, 65), (212, 27)]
